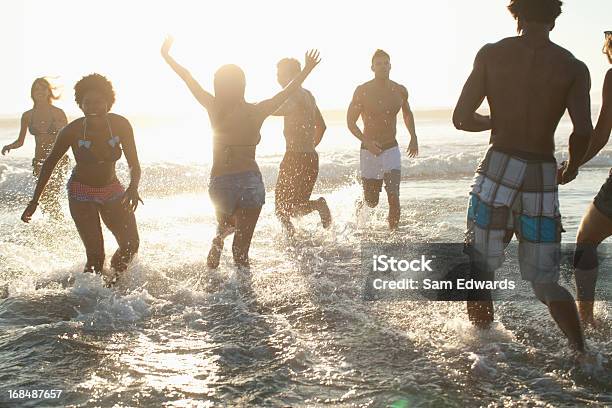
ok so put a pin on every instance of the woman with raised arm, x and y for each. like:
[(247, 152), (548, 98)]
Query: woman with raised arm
[(596, 224), (44, 121), (97, 141), (236, 187)]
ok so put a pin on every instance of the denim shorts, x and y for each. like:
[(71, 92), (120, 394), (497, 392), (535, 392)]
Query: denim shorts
[(603, 200), (240, 190)]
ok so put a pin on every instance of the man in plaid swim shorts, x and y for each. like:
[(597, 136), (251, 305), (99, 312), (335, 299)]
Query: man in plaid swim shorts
[(529, 82), (512, 195)]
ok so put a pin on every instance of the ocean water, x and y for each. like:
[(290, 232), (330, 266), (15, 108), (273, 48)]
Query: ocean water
[(294, 330)]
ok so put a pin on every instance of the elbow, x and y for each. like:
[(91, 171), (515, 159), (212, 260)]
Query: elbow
[(458, 123), (458, 120), (600, 139)]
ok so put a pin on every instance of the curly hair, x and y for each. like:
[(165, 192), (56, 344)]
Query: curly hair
[(380, 53), (290, 64), (44, 82), (535, 11), (94, 82)]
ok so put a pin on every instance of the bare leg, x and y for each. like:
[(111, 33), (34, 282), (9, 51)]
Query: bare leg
[(479, 303), (122, 223), (87, 221), (226, 225), (563, 309), (594, 228), (392, 181), (246, 220), (394, 211), (371, 191)]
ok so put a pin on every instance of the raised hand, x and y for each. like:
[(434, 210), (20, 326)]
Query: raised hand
[(311, 60), (168, 41)]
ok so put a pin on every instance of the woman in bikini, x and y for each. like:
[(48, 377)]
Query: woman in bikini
[(596, 224), (97, 141), (44, 121), (236, 187)]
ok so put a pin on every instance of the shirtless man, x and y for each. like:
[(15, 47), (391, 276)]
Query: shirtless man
[(303, 130), (378, 102), (529, 82)]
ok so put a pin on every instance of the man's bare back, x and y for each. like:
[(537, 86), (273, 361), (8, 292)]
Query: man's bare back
[(528, 92), (528, 87), (379, 105)]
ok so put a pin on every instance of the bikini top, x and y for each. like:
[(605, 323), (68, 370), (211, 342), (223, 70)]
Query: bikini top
[(51, 128), (237, 131), (83, 151)]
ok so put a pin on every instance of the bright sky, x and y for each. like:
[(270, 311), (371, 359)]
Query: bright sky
[(432, 45)]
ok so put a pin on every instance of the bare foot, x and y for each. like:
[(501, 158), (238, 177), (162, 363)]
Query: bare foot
[(324, 213), (214, 255), (480, 313), (585, 311)]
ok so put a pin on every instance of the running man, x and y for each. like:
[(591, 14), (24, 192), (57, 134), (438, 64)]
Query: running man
[(378, 102), (529, 82), (303, 130)]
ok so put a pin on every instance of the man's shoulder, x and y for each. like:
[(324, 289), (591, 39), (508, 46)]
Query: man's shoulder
[(399, 87), (365, 86)]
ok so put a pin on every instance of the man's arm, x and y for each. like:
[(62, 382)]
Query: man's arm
[(22, 133), (579, 108), (601, 134), (355, 109), (269, 106), (473, 94), (205, 98), (353, 112), (287, 107), (413, 147)]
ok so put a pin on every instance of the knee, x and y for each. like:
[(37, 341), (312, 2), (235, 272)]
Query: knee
[(550, 292), (134, 244), (281, 211), (585, 256), (371, 200)]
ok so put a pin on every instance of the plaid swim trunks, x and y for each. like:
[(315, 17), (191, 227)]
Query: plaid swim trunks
[(513, 195)]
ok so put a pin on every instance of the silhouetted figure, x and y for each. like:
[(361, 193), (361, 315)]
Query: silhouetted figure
[(378, 102), (44, 121), (97, 141), (303, 129), (596, 224), (236, 187), (529, 82)]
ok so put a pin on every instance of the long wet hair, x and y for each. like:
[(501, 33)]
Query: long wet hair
[(535, 11), (45, 82), (230, 84), (607, 47)]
